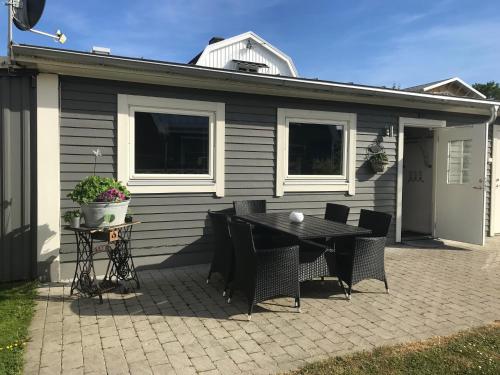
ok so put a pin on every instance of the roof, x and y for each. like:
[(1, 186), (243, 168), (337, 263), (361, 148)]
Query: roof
[(214, 39), (455, 83), (112, 67), (216, 43)]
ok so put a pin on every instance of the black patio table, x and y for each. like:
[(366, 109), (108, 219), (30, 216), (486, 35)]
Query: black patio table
[(312, 226)]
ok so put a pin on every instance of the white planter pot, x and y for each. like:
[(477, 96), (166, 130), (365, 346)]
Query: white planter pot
[(75, 222), (104, 214)]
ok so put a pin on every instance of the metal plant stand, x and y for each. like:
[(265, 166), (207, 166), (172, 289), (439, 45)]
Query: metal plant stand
[(115, 242)]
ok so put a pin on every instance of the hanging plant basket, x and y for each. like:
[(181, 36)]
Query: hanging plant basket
[(378, 166), (377, 158)]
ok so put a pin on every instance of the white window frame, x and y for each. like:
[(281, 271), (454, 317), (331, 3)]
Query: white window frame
[(139, 183), (306, 183)]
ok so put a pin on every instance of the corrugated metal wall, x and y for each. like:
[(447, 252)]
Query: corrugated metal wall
[(17, 177)]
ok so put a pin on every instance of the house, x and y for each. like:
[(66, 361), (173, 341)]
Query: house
[(237, 122)]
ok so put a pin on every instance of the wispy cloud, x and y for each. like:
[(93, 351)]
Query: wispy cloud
[(437, 53)]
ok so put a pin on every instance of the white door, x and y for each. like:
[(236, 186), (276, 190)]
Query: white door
[(460, 176)]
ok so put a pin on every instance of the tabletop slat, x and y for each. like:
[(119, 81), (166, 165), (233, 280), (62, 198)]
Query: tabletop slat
[(311, 227)]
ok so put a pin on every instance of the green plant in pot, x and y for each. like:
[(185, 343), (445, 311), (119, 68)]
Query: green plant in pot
[(103, 201), (72, 218), (129, 217), (379, 162), (377, 158)]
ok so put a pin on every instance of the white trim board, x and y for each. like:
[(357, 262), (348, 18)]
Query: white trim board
[(288, 183), (455, 79), (417, 123), (48, 176), (495, 175), (156, 184)]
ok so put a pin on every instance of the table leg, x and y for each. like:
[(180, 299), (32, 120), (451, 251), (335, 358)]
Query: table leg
[(84, 279), (121, 260)]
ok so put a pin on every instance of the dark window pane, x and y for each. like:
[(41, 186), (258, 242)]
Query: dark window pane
[(171, 144), (315, 149)]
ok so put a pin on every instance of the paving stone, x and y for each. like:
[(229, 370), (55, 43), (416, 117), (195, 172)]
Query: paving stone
[(177, 324), (203, 363), (163, 370), (157, 358), (140, 368), (179, 360), (136, 355)]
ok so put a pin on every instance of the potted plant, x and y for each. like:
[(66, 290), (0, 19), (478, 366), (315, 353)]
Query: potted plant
[(129, 217), (103, 201), (72, 218), (379, 162), (377, 157)]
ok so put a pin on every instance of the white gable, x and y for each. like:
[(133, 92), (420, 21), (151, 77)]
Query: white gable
[(247, 47)]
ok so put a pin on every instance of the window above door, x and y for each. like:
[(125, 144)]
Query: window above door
[(316, 151), (170, 145)]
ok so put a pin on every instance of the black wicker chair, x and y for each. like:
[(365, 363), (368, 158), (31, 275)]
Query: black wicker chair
[(263, 274), (364, 261), (378, 222), (313, 261), (336, 212), (223, 258), (249, 207)]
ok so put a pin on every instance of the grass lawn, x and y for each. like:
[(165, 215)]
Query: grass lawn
[(16, 310), (471, 352)]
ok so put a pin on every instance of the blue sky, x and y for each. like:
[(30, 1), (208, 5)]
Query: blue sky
[(376, 42)]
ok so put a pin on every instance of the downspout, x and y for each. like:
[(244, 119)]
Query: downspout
[(493, 116)]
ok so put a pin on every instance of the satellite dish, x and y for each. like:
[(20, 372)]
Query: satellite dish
[(27, 13)]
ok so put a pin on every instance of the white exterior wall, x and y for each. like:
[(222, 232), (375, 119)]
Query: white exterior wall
[(221, 55), (223, 58), (48, 174)]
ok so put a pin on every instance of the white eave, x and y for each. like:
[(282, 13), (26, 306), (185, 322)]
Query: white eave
[(83, 64), (431, 86)]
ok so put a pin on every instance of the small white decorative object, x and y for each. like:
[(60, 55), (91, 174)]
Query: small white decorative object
[(296, 217)]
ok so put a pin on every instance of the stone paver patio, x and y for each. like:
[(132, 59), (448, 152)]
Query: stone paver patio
[(177, 324)]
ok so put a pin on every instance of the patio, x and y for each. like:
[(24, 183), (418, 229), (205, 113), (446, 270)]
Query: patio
[(176, 323)]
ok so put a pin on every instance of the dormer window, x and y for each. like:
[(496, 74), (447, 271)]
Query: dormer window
[(249, 66)]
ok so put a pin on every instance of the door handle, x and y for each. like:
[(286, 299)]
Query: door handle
[(478, 187)]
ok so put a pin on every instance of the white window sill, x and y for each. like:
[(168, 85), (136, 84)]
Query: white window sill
[(160, 187), (311, 185)]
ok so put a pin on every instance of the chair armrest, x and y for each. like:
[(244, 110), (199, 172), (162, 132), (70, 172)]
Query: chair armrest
[(370, 242), (278, 250)]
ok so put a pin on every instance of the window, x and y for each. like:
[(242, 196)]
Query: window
[(170, 145), (459, 161), (316, 151)]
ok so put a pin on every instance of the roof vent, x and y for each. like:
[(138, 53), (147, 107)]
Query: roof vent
[(101, 50)]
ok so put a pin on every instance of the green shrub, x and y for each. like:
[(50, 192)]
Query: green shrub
[(90, 188)]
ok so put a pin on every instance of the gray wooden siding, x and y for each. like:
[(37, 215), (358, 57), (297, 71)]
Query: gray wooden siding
[(174, 226), (17, 177)]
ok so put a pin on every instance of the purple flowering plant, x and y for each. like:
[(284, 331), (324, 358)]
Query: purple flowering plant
[(111, 195)]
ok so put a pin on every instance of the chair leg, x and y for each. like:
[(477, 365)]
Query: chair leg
[(209, 275), (297, 303), (343, 288), (386, 284), (250, 308)]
